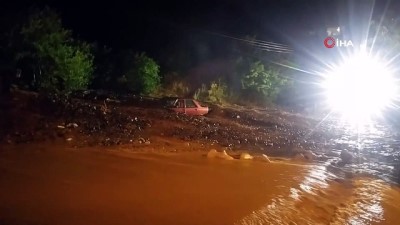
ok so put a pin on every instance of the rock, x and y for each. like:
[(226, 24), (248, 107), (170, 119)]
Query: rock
[(220, 155), (72, 125), (309, 155), (323, 158), (332, 154), (225, 155), (212, 153), (262, 158), (141, 140), (69, 139), (245, 156), (61, 127), (296, 150), (346, 157), (299, 157)]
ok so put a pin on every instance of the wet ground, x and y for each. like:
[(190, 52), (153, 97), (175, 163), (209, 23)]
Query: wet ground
[(41, 185), (136, 122), (75, 161)]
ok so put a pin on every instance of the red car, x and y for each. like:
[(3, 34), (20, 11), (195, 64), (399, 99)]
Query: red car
[(189, 107)]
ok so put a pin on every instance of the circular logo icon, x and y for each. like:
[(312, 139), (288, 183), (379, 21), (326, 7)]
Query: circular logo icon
[(329, 42)]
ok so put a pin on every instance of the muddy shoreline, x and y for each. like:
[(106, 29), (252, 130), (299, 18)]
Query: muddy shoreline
[(32, 118), (142, 124)]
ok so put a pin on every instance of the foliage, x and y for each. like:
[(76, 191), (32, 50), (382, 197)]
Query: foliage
[(105, 68), (144, 76), (216, 92), (201, 93), (264, 82), (177, 88), (62, 64), (173, 86)]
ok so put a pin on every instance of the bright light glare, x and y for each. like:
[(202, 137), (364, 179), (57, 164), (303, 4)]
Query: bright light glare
[(360, 88)]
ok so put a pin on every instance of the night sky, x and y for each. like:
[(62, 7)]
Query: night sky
[(153, 26)]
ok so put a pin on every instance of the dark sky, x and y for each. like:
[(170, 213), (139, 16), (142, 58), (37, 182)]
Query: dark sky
[(153, 25)]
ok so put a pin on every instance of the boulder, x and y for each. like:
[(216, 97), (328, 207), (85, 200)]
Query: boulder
[(296, 150), (245, 156), (332, 154), (346, 157), (262, 158), (219, 155), (72, 125), (225, 155), (212, 153), (299, 157), (309, 155)]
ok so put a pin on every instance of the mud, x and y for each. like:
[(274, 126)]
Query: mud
[(32, 118), (42, 185), (142, 123)]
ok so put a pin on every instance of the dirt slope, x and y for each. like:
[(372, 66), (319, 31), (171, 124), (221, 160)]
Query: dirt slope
[(30, 117)]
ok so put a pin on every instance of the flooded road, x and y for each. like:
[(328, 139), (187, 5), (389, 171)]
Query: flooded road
[(43, 186), (374, 145)]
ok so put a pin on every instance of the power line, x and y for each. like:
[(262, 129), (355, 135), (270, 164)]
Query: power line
[(259, 44)]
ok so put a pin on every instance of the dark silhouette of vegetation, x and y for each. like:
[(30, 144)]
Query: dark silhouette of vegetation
[(51, 59), (215, 92), (142, 76), (59, 63), (262, 82), (104, 74)]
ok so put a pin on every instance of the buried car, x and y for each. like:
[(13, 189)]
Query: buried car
[(189, 107)]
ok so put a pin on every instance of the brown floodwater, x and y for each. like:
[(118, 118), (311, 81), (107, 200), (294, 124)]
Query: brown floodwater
[(41, 186)]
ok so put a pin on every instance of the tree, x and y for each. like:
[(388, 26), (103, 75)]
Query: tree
[(105, 67), (144, 76), (262, 82), (61, 63), (216, 92)]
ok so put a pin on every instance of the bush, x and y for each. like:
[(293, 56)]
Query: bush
[(264, 83), (61, 63), (177, 88), (173, 86), (216, 92), (201, 93), (144, 76)]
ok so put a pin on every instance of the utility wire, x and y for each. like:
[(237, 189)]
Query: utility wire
[(259, 44)]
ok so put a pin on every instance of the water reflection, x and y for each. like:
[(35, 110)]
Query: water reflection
[(365, 204), (323, 198), (375, 146)]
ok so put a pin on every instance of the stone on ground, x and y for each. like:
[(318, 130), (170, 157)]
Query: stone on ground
[(262, 158), (220, 155), (245, 156)]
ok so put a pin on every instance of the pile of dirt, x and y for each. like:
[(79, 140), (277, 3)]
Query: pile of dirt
[(30, 117)]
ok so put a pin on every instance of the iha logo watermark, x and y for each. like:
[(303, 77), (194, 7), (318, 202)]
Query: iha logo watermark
[(331, 42)]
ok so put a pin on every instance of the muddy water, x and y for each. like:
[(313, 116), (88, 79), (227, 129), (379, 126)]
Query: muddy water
[(375, 145), (40, 186)]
